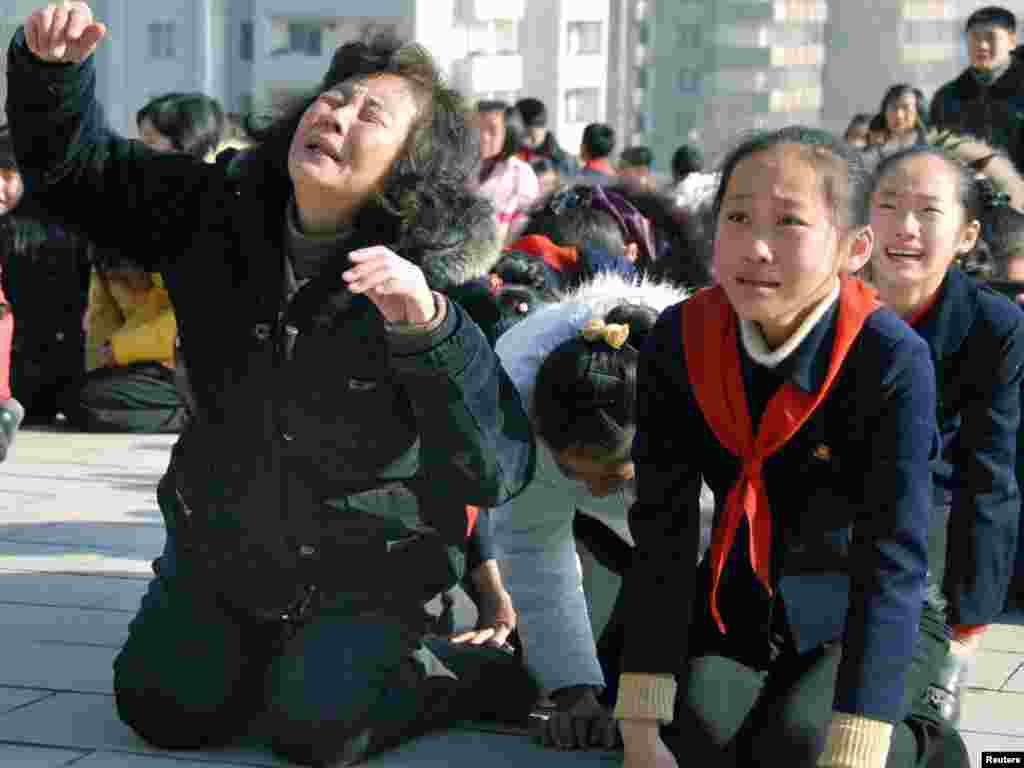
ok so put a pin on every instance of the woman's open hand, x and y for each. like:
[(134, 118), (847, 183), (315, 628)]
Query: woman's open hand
[(63, 33), (395, 285)]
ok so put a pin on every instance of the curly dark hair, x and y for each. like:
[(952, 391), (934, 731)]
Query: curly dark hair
[(425, 206)]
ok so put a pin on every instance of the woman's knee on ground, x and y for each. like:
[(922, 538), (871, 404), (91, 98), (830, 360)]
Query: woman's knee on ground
[(192, 713)]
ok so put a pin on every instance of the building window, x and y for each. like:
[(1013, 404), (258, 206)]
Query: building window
[(688, 81), (246, 41), (161, 40), (582, 105), (506, 36), (584, 37), (688, 36), (305, 38)]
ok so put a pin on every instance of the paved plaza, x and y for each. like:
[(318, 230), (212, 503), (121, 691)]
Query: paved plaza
[(79, 526)]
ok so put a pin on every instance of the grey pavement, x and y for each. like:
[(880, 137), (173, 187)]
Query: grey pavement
[(79, 527)]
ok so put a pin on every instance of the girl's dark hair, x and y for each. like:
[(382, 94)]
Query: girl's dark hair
[(969, 195), (566, 218), (878, 124), (860, 119), (192, 122), (1003, 229), (425, 204), (840, 168), (682, 254), (898, 90), (517, 268), (585, 394)]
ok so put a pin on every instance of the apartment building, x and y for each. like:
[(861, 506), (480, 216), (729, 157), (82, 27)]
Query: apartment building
[(565, 50), (723, 67), (630, 74)]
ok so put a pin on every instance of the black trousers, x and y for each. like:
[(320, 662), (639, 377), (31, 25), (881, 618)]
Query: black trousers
[(358, 676), (138, 398)]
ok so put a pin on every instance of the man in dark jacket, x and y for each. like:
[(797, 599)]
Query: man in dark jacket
[(345, 411), (541, 140), (987, 99)]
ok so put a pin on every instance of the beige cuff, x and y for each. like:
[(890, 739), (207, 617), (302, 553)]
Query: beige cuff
[(854, 741), (645, 697)]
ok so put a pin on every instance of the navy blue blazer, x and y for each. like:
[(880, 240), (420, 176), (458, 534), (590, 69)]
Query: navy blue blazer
[(850, 496), (976, 338)]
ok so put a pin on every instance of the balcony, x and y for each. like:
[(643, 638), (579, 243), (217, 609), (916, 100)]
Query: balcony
[(483, 11), (485, 73)]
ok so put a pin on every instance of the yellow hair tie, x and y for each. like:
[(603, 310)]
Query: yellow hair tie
[(613, 334)]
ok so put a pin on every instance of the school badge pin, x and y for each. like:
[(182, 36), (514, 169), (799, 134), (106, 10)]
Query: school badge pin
[(823, 452)]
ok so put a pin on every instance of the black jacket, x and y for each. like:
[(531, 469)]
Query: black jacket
[(994, 112), (850, 497), (977, 341), (325, 448)]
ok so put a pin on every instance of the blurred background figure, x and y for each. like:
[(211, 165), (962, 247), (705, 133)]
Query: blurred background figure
[(505, 180), (905, 111), (987, 99), (636, 168), (686, 160), (547, 174), (595, 152), (540, 141), (857, 131), (45, 270), (192, 123), (878, 133)]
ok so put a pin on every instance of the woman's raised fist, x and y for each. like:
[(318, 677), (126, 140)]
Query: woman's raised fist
[(63, 33)]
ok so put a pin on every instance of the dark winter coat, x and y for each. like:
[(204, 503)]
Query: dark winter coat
[(326, 449)]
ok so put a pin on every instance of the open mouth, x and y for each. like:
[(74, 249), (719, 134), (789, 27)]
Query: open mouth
[(903, 254), (751, 282)]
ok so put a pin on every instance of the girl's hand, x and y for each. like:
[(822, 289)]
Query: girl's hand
[(63, 33), (395, 285)]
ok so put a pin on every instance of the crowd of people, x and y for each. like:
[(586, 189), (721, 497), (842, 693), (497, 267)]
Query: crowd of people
[(414, 347)]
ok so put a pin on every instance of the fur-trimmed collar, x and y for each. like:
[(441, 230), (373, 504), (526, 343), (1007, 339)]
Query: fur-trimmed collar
[(524, 347)]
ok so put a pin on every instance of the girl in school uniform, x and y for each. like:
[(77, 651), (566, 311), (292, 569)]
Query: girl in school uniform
[(925, 209), (809, 411)]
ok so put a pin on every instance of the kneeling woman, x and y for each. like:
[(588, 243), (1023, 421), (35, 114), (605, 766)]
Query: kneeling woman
[(346, 411), (924, 211), (810, 413)]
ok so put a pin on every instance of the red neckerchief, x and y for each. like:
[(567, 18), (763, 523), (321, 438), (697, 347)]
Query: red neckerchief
[(601, 165), (555, 256), (713, 362), (918, 314), (471, 515)]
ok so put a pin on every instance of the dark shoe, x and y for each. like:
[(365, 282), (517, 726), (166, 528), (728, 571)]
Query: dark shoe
[(944, 693), (11, 415)]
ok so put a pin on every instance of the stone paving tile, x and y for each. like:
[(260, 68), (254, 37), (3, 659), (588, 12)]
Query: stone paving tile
[(143, 540), (467, 748), (115, 760), (36, 757), (80, 668), (125, 597), (55, 558), (991, 670), (89, 722), (59, 590), (977, 743), (12, 698), (74, 626), (1004, 637), (1016, 683), (992, 712)]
